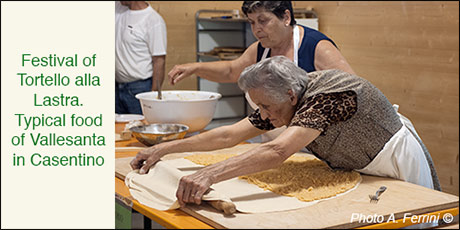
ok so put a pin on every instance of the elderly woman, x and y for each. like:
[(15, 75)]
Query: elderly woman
[(341, 118), (274, 26)]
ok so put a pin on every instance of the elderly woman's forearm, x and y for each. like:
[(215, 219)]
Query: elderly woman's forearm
[(211, 140), (217, 138), (222, 137)]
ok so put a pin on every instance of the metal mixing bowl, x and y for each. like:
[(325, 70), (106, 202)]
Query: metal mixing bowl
[(156, 133)]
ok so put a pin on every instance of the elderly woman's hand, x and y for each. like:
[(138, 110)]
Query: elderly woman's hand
[(192, 187), (145, 159), (179, 72)]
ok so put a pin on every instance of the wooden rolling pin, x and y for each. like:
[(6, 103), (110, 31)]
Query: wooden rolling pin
[(129, 149), (227, 207)]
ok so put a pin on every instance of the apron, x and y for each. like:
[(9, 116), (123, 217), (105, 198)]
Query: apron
[(272, 134), (402, 158)]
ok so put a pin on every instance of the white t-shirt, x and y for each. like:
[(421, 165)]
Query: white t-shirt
[(139, 35)]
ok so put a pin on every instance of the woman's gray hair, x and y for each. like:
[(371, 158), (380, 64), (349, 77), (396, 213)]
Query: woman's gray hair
[(276, 76)]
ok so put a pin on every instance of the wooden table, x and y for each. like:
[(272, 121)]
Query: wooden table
[(180, 219)]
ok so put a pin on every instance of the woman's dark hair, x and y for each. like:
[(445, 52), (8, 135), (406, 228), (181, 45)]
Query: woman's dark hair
[(276, 7)]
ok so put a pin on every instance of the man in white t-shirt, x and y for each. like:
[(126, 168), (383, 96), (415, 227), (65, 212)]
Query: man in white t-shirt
[(140, 53)]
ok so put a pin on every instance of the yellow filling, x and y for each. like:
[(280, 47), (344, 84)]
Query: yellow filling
[(302, 177)]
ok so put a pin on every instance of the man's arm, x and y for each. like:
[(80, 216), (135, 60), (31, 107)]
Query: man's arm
[(158, 71)]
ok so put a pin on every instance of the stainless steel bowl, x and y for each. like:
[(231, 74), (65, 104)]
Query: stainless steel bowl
[(156, 133)]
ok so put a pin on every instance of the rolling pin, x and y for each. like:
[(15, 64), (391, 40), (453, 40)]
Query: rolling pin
[(129, 149), (227, 207)]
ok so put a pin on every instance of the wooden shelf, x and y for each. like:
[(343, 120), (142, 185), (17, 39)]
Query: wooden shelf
[(201, 54), (223, 19)]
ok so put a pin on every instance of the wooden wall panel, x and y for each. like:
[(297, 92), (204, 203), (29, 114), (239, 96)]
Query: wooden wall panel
[(179, 17), (409, 50)]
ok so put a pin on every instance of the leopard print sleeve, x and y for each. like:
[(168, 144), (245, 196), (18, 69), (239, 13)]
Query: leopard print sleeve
[(257, 121), (322, 110)]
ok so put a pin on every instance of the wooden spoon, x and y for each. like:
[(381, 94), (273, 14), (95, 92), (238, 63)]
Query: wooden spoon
[(159, 89)]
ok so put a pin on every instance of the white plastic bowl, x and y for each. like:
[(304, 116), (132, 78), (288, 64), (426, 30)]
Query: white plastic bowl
[(192, 108)]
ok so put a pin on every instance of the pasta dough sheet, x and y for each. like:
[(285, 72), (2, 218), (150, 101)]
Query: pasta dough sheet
[(157, 188), (305, 178)]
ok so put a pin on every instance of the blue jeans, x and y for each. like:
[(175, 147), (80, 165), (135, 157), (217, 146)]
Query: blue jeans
[(125, 96)]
